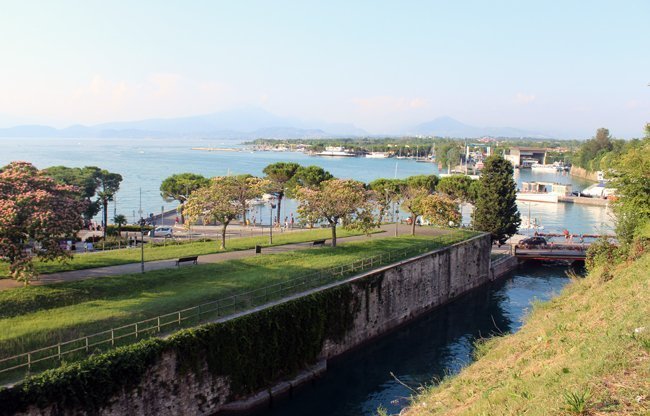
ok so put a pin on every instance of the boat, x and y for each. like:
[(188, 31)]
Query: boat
[(598, 190), (545, 168), (335, 151), (472, 177), (378, 155), (527, 163), (543, 191), (526, 224)]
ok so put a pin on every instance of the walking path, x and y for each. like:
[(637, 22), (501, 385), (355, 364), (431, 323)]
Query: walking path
[(70, 276)]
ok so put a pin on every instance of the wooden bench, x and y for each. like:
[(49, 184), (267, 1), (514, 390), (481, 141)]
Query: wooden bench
[(193, 259), (319, 242)]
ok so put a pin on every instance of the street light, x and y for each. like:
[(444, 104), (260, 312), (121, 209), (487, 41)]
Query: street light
[(142, 223), (396, 219), (272, 207)]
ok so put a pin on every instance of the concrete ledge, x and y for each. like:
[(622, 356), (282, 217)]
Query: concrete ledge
[(265, 398), (503, 266), (256, 402)]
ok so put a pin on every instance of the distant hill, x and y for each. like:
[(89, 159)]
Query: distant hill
[(252, 123), (232, 124), (449, 127)]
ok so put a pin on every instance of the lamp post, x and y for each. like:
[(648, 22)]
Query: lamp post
[(142, 223), (396, 219), (272, 207)]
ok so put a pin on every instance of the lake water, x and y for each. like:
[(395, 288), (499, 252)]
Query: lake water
[(144, 163)]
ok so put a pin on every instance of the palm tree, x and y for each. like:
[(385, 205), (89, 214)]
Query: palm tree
[(119, 220)]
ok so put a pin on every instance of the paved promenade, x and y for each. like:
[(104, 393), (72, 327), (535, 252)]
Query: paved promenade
[(385, 231)]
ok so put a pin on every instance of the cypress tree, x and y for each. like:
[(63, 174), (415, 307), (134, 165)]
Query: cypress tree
[(496, 208)]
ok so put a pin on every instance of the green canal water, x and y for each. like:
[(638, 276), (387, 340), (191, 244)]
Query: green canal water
[(428, 349)]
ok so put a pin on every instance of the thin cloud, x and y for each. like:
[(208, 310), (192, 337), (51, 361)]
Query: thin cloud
[(388, 103), (523, 99)]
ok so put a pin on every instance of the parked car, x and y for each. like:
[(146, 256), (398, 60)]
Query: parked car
[(163, 231), (533, 242)]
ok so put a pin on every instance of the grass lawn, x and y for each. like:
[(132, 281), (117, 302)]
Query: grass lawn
[(125, 256), (585, 352), (37, 316)]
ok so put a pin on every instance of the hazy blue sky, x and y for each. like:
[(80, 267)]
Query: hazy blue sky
[(565, 67)]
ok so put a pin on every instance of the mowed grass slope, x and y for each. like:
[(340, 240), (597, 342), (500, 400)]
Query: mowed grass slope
[(584, 352), (36, 316), (172, 251)]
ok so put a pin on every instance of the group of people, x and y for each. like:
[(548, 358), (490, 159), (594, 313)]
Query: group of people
[(288, 223), (93, 226)]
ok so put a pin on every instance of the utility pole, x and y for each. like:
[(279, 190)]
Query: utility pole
[(142, 222)]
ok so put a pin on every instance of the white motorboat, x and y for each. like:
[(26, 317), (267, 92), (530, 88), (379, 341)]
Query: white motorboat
[(598, 190), (526, 224), (544, 168), (378, 155)]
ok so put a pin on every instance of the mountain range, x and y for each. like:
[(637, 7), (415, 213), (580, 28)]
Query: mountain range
[(249, 123)]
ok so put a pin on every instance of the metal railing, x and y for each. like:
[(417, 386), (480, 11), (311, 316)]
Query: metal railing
[(53, 355)]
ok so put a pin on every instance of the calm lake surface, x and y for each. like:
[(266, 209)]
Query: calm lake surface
[(144, 163)]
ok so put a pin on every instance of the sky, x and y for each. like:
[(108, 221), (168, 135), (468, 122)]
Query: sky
[(564, 68)]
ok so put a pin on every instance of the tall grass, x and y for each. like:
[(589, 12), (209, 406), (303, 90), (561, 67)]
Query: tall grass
[(584, 352)]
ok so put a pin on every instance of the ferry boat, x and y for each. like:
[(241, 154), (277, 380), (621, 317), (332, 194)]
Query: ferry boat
[(335, 151), (543, 191)]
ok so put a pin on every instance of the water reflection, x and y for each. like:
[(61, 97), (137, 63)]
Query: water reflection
[(429, 348)]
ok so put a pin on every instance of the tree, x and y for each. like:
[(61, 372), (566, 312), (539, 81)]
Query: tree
[(589, 152), (413, 190), (248, 187), (456, 187), (36, 212), (279, 174), (387, 193), (344, 200), (107, 184), (309, 177), (219, 201), (119, 220), (178, 187), (84, 179), (496, 210), (631, 178), (443, 152), (441, 210), (453, 157)]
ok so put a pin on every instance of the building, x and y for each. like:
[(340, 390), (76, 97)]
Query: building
[(526, 156)]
